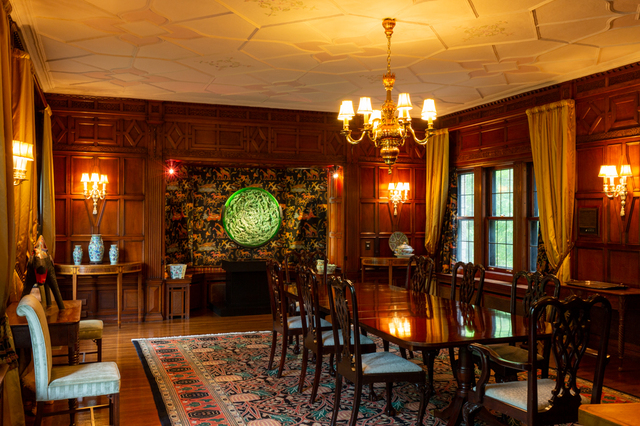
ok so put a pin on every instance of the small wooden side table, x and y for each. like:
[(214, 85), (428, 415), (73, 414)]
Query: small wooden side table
[(390, 262), (176, 298), (609, 414)]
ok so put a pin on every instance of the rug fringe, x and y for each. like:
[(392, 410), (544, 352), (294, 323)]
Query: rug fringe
[(200, 335)]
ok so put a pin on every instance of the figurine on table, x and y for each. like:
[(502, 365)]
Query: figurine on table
[(40, 271)]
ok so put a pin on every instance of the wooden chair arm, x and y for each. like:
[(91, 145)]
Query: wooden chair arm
[(488, 355)]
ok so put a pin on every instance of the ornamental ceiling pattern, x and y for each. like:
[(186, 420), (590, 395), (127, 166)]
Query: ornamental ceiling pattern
[(311, 54)]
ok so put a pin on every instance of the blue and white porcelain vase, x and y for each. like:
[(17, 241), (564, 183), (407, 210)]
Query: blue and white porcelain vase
[(113, 254), (77, 255), (96, 248)]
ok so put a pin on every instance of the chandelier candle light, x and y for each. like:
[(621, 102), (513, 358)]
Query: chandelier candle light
[(95, 193), (388, 127), (611, 189), (396, 194)]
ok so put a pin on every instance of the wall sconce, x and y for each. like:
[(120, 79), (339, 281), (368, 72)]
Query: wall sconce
[(336, 172), (22, 152), (396, 194), (611, 189), (95, 193)]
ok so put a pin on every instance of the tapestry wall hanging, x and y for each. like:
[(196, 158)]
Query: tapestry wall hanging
[(194, 201)]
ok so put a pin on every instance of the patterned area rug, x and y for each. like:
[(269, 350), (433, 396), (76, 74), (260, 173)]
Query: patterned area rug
[(223, 379)]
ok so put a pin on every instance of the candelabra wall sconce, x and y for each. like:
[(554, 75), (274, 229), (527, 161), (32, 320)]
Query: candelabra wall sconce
[(611, 189), (398, 193), (22, 154), (336, 172), (95, 193)]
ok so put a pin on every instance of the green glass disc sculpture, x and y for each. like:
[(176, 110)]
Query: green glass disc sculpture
[(251, 217)]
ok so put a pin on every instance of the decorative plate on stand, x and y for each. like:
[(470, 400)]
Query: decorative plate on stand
[(396, 239)]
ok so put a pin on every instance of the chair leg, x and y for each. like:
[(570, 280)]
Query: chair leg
[(424, 401), (385, 345), (336, 399), (274, 342), (332, 370), (316, 379), (454, 365), (428, 359), (303, 369), (403, 353), (296, 348), (39, 413), (114, 410), (283, 356), (469, 411), (357, 395), (388, 409), (99, 348)]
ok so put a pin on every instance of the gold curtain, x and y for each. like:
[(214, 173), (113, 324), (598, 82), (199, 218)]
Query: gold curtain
[(13, 413), (552, 129), (47, 187), (437, 154), (25, 194)]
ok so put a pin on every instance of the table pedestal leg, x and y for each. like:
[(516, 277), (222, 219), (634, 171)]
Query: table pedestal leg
[(453, 412)]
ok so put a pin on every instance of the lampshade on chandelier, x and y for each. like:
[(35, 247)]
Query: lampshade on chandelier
[(390, 126)]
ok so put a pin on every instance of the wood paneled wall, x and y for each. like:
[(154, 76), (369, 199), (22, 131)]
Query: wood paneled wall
[(608, 132)]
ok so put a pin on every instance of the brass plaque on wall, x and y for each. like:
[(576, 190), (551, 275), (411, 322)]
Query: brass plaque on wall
[(588, 221)]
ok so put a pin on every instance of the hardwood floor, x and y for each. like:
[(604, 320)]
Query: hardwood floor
[(138, 407)]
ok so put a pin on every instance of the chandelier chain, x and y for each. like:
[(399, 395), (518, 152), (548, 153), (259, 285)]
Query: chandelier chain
[(389, 54)]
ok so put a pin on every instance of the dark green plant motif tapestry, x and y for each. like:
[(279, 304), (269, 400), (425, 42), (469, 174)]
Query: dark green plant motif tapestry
[(251, 217), (195, 196)]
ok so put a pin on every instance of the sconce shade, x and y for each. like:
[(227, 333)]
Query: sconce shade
[(104, 179), (22, 152), (625, 170), (85, 178), (392, 186), (608, 171)]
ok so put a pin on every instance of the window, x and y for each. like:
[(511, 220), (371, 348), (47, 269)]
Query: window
[(465, 218), (500, 246), (534, 225)]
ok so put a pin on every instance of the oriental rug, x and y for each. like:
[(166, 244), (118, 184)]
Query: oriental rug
[(222, 379)]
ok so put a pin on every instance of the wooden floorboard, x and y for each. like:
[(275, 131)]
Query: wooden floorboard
[(137, 405)]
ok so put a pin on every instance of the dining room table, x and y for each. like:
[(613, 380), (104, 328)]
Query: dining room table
[(418, 321)]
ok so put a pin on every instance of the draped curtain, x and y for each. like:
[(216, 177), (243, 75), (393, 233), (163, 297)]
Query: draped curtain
[(552, 129), (449, 226), (13, 412), (25, 194), (47, 186), (437, 154)]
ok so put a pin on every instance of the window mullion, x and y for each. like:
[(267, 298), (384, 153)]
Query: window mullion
[(479, 212)]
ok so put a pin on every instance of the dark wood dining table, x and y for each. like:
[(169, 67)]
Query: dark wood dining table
[(424, 322)]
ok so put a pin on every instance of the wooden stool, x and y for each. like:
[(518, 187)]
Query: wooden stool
[(92, 330), (176, 298)]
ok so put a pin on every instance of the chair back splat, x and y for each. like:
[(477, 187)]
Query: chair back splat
[(349, 357), (536, 289), (466, 285), (421, 279)]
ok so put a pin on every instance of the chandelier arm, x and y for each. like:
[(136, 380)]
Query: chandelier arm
[(352, 141), (428, 136)]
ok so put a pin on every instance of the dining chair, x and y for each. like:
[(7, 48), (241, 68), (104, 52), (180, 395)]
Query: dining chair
[(545, 401), (538, 286), (316, 331), (283, 323), (365, 368), (420, 278), (463, 289), (54, 383)]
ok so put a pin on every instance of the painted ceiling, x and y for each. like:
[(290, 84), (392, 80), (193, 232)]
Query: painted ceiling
[(311, 54)]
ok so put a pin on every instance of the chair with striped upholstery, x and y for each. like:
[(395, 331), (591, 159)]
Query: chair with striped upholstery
[(69, 382)]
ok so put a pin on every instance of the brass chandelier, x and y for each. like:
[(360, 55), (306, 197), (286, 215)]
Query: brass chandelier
[(389, 127)]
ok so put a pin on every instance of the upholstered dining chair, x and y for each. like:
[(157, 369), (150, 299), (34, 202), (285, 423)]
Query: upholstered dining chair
[(362, 368), (55, 383), (316, 331), (284, 323), (545, 401), (538, 286)]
